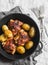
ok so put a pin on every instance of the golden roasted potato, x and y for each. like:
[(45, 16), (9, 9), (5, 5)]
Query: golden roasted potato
[(26, 26), (3, 38), (4, 27), (21, 49), (28, 45), (8, 33), (32, 32)]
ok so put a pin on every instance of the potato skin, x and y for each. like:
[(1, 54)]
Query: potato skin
[(20, 49), (32, 32), (26, 27), (4, 27), (29, 45), (8, 33), (3, 38)]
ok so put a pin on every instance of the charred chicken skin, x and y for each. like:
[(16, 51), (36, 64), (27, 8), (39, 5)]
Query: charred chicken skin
[(14, 26), (9, 46)]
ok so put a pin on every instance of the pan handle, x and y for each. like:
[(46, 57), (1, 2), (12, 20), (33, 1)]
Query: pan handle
[(40, 47)]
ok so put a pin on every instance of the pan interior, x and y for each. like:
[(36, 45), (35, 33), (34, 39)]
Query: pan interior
[(24, 19)]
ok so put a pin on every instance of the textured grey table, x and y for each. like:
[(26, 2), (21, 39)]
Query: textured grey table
[(6, 5)]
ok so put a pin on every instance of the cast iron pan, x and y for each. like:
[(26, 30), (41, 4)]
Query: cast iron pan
[(36, 39)]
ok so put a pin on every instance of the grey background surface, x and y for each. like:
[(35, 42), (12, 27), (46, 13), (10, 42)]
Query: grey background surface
[(28, 6)]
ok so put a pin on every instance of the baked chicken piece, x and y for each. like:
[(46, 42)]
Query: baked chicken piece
[(15, 26), (24, 35), (19, 22), (21, 38), (9, 46)]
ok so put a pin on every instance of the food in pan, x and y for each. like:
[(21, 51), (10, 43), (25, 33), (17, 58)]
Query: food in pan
[(4, 27), (29, 44), (8, 33), (21, 49), (16, 37), (32, 32), (25, 26), (3, 38), (9, 46)]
